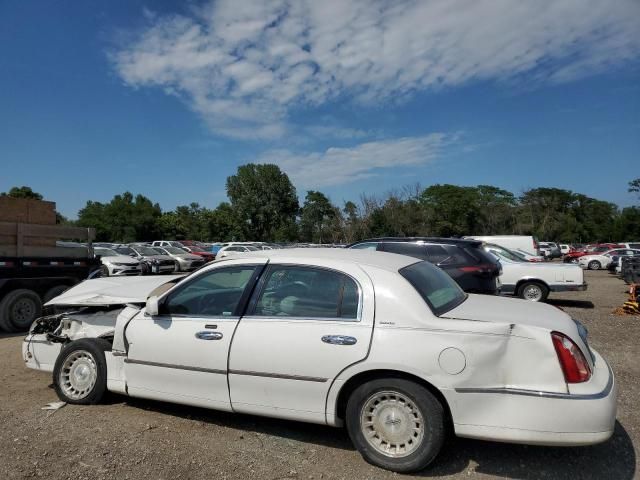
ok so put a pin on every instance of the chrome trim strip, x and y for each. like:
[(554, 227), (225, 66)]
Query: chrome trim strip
[(177, 367), (278, 375), (535, 393)]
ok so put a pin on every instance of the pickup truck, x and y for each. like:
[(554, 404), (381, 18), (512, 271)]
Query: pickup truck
[(534, 281)]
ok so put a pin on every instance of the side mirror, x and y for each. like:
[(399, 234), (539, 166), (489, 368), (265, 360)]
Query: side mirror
[(152, 306)]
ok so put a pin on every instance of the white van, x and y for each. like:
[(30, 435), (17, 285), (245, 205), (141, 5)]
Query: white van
[(526, 243)]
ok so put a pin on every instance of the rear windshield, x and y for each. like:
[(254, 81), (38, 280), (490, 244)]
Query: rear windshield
[(436, 287)]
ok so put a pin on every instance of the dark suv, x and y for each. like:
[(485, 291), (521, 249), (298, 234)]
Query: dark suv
[(465, 261)]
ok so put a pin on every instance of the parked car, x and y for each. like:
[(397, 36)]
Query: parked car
[(564, 248), (572, 257), (150, 260), (634, 245), (463, 260), (534, 281), (184, 261), (526, 243), (483, 366), (201, 252), (116, 264), (234, 249), (527, 256), (167, 243), (602, 260), (550, 250)]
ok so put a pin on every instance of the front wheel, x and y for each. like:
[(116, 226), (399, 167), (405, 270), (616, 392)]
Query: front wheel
[(533, 291), (80, 372), (396, 424), (594, 265)]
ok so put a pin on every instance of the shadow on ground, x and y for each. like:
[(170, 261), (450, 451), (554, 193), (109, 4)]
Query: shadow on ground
[(615, 458), (558, 302)]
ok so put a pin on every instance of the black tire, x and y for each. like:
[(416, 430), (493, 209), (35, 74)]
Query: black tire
[(104, 271), (594, 265), (19, 309), (53, 292), (526, 287), (431, 410), (95, 347)]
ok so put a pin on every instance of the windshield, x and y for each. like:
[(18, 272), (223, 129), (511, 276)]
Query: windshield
[(105, 252), (147, 251), (175, 250), (193, 248), (437, 288), (505, 253), (252, 249)]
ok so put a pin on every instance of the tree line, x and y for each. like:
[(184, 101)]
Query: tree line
[(263, 205)]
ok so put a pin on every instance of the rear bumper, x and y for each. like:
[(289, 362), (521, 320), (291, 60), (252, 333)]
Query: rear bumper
[(583, 417)]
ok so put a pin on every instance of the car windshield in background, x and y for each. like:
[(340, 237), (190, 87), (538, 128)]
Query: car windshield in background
[(253, 249), (193, 248), (106, 252), (175, 250), (507, 254), (147, 251), (437, 288)]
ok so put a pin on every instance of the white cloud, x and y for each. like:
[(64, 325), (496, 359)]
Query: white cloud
[(337, 166), (244, 64)]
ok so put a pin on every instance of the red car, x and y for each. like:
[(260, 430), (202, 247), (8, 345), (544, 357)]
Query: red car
[(572, 256), (201, 252)]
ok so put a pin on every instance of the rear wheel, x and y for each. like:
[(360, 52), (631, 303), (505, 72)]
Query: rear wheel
[(594, 265), (19, 309), (533, 291), (396, 424), (80, 372)]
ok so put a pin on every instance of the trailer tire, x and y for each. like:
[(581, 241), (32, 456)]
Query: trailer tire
[(53, 292), (18, 310)]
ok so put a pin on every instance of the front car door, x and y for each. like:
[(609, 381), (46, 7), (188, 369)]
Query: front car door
[(305, 324), (181, 354)]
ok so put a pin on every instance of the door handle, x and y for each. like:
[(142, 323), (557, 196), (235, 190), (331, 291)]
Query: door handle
[(339, 340), (209, 335)]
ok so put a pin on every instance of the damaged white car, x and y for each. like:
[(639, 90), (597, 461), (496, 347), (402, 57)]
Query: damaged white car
[(385, 344)]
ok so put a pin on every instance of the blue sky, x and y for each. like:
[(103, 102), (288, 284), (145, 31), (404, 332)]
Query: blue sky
[(348, 97)]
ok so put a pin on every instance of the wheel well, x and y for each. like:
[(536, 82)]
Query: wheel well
[(363, 377), (530, 280)]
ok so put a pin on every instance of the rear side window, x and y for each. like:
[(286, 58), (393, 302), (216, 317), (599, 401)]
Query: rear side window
[(308, 292), (437, 288), (634, 245), (411, 249)]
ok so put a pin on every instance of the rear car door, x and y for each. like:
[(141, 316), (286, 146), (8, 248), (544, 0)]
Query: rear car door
[(181, 354), (304, 325)]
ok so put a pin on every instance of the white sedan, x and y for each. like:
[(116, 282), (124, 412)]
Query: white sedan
[(385, 344), (533, 281), (602, 260), (114, 264)]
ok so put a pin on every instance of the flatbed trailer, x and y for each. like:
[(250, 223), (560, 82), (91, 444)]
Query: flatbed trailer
[(33, 270)]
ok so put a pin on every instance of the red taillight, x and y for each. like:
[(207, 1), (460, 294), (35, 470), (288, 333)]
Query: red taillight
[(478, 269), (574, 365)]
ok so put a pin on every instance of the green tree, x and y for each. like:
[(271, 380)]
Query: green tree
[(316, 217), (451, 210), (124, 219), (634, 186), (22, 192), (264, 202)]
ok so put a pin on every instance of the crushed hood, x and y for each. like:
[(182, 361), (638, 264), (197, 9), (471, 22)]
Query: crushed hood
[(112, 291)]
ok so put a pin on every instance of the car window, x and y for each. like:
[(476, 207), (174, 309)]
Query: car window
[(634, 245), (308, 292), (406, 248), (124, 250), (365, 246), (437, 288), (215, 293)]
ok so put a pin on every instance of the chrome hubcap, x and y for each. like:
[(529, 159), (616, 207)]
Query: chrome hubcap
[(78, 375), (392, 424), (533, 293)]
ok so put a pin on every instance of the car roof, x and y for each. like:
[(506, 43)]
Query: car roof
[(386, 261), (445, 240)]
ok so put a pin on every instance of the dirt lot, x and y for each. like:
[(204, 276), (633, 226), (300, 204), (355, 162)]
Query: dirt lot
[(127, 438)]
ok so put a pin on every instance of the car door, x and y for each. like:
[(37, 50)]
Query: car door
[(181, 354), (305, 324)]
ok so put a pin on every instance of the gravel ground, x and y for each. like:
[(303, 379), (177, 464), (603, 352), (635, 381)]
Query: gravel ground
[(128, 438)]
